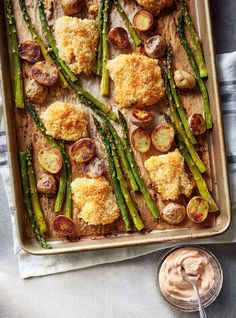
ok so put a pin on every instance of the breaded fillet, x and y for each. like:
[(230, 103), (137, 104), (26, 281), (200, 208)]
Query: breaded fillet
[(65, 121), (137, 80), (168, 174), (95, 200), (155, 5), (77, 42)]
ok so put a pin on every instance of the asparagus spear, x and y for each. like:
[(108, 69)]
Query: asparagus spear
[(195, 43), (37, 38), (201, 84), (105, 84), (62, 181), (129, 26), (200, 182), (68, 211), (18, 81), (147, 197), (180, 129), (176, 97), (25, 182), (115, 182), (38, 213), (99, 27), (51, 41)]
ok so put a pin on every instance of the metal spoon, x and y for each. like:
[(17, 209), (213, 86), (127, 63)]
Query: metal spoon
[(192, 279)]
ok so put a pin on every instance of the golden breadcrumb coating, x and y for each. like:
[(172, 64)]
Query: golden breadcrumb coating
[(155, 5), (137, 80), (77, 42), (95, 200), (168, 174), (65, 121)]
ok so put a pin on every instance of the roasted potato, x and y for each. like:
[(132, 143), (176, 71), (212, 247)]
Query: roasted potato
[(83, 150), (94, 168), (141, 118), (140, 140), (50, 159), (63, 225), (30, 51), (143, 20), (72, 7), (162, 137), (184, 80), (45, 73), (173, 213), (197, 209), (155, 47), (118, 37), (35, 91), (197, 124), (47, 184)]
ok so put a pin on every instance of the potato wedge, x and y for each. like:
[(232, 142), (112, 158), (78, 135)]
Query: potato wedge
[(141, 118), (162, 137), (197, 124), (83, 150), (45, 73), (155, 47), (197, 209), (140, 140), (50, 159), (72, 7), (47, 184), (173, 213), (94, 168), (63, 225), (118, 37), (143, 20), (30, 51)]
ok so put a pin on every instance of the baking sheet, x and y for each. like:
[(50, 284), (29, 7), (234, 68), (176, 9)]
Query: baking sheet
[(201, 11)]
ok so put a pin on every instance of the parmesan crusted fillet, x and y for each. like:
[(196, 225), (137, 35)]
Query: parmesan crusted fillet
[(95, 200), (137, 80), (77, 42), (168, 174), (65, 121), (155, 5)]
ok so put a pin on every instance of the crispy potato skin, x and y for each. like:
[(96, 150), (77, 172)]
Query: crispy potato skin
[(45, 73), (143, 20), (197, 124), (155, 47), (141, 118), (197, 209), (162, 137), (140, 140), (184, 80), (72, 7), (47, 185), (63, 225), (173, 213), (83, 150), (118, 37), (30, 51), (35, 91), (95, 168), (156, 6)]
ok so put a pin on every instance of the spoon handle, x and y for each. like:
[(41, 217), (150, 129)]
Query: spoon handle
[(200, 305)]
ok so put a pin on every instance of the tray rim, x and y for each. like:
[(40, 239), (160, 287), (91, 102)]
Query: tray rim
[(107, 242)]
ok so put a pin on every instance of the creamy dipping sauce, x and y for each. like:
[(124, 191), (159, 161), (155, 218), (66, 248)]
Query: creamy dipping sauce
[(194, 262)]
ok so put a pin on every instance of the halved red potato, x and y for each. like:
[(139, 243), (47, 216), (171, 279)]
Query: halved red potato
[(197, 209), (45, 73), (51, 159), (143, 20), (197, 124), (162, 137), (141, 118), (118, 37), (155, 47), (63, 225), (140, 140), (47, 184), (72, 7), (30, 51), (173, 213), (94, 168), (83, 150)]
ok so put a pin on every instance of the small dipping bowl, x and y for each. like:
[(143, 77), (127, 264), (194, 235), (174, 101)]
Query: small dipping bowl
[(209, 297)]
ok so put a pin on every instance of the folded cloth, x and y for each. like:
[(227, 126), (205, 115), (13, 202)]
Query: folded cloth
[(31, 265)]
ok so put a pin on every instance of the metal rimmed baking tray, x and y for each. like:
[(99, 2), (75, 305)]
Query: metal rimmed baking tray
[(201, 15)]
